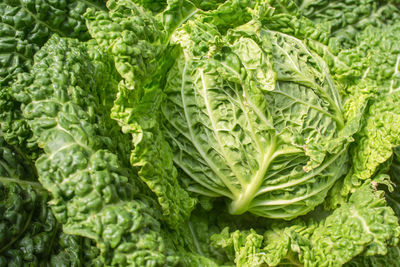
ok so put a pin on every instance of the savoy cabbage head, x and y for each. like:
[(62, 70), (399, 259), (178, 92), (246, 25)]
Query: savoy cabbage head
[(255, 116)]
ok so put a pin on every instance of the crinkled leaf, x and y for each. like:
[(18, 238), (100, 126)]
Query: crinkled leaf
[(26, 25), (364, 225), (346, 19), (80, 164), (372, 76), (285, 118), (29, 233), (138, 43)]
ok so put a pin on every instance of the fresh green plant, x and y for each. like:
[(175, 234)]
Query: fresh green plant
[(199, 133), (30, 234)]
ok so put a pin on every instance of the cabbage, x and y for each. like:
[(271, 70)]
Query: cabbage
[(199, 133), (254, 115)]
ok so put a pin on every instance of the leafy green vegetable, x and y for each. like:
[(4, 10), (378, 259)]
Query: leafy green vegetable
[(141, 57), (30, 234), (262, 140), (372, 76), (26, 25), (79, 166), (346, 19), (14, 128), (235, 90), (362, 225), (390, 259), (392, 197), (199, 133), (24, 28), (284, 118)]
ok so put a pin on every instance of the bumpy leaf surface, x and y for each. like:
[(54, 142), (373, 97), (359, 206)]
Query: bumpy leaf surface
[(30, 234), (60, 99), (372, 76), (363, 225), (138, 43), (254, 116), (347, 19), (24, 28), (26, 25)]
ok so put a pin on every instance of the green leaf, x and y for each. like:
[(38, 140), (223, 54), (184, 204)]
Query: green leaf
[(346, 20), (363, 225), (80, 164), (26, 25), (29, 233), (372, 76), (393, 196), (390, 259), (24, 28), (251, 119), (141, 56)]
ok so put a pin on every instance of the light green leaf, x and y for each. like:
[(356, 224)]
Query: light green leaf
[(373, 78), (363, 225), (138, 43), (249, 117)]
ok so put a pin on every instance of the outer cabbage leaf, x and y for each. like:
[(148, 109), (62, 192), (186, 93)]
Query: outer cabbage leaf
[(23, 221), (26, 25), (203, 224), (155, 6), (60, 99), (391, 184), (70, 250), (14, 128), (29, 233), (372, 76), (363, 225), (390, 259), (393, 196), (138, 43), (393, 199), (285, 141), (284, 16), (347, 19), (244, 247)]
